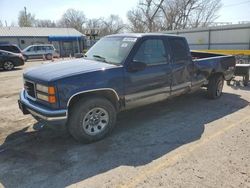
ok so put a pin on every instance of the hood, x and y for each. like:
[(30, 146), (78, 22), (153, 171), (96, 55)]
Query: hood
[(57, 70)]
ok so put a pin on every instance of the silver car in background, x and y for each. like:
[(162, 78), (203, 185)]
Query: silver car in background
[(38, 51)]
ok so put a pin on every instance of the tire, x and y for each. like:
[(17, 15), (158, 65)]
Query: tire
[(8, 65), (246, 80), (91, 119), (215, 86), (49, 56)]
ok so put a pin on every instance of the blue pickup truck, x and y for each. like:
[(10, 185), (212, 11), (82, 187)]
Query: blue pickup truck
[(119, 72)]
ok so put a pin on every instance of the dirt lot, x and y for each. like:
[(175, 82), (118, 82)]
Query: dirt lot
[(188, 141)]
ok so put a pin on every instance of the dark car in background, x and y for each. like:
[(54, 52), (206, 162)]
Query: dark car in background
[(9, 60), (10, 48)]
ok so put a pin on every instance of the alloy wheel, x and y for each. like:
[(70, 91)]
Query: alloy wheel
[(95, 121), (8, 65)]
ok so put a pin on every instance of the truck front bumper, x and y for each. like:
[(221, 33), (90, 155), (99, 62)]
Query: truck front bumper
[(41, 113)]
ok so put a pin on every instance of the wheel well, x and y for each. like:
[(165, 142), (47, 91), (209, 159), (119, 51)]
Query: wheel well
[(12, 61), (213, 73), (108, 94)]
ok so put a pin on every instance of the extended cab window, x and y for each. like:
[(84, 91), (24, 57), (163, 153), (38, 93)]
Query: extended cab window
[(151, 52), (179, 50)]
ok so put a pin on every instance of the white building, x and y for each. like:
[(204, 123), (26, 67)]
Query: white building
[(67, 41)]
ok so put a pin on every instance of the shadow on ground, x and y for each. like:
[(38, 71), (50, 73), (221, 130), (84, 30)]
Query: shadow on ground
[(51, 158)]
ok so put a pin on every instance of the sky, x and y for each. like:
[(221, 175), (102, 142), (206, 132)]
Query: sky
[(232, 11)]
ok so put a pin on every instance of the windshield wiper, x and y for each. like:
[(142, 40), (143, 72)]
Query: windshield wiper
[(103, 59), (100, 57)]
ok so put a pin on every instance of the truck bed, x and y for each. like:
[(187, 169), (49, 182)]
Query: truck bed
[(208, 63)]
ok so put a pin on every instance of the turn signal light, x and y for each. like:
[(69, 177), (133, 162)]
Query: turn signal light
[(52, 99), (51, 90)]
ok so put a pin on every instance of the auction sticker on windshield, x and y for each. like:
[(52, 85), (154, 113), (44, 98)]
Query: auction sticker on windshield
[(124, 45), (129, 39)]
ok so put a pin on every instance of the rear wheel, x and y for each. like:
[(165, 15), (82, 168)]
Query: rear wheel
[(49, 56), (215, 86), (8, 65), (91, 119)]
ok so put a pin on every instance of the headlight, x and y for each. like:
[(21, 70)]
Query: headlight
[(42, 97), (48, 98), (42, 88), (45, 89), (46, 93)]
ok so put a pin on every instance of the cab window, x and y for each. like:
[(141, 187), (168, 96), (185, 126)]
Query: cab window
[(179, 50), (151, 52)]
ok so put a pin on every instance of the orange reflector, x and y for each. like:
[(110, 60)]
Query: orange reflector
[(51, 90), (52, 99)]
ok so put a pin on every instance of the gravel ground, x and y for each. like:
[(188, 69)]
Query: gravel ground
[(188, 141)]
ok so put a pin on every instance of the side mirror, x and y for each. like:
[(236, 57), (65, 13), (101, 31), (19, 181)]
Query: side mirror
[(136, 66)]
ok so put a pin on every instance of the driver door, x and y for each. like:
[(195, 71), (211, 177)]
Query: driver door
[(153, 83)]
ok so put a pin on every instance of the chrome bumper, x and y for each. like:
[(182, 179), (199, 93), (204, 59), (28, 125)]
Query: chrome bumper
[(41, 112)]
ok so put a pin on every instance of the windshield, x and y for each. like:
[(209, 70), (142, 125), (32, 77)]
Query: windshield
[(111, 49), (27, 48)]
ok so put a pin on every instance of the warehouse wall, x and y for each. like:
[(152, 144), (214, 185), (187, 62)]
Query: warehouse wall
[(224, 37)]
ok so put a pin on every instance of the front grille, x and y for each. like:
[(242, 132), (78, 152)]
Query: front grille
[(30, 89)]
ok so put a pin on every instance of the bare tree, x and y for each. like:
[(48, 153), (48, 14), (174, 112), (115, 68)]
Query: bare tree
[(155, 15), (93, 27), (45, 23), (94, 23), (26, 19), (113, 24), (73, 18), (205, 13), (136, 22), (1, 24), (181, 14), (144, 18)]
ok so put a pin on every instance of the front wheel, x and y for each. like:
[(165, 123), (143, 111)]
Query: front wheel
[(8, 65), (215, 86), (91, 119)]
